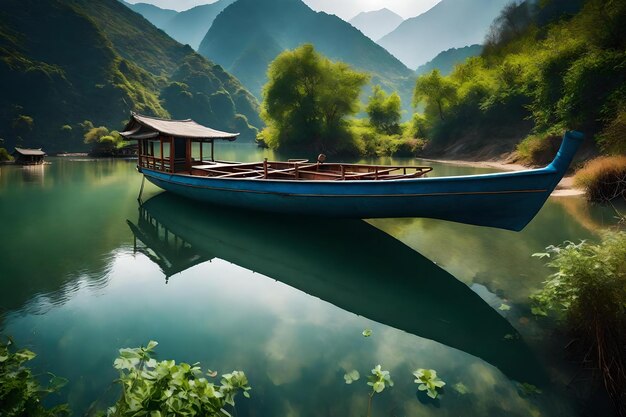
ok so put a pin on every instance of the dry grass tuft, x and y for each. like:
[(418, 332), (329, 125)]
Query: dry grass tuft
[(604, 178)]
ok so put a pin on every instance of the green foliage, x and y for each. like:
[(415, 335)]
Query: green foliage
[(428, 381), (367, 332), (405, 143), (96, 69), (384, 111), (588, 289), (20, 392), (307, 100), (4, 155), (379, 380), (546, 68), (102, 141), (438, 92), (527, 390), (151, 388)]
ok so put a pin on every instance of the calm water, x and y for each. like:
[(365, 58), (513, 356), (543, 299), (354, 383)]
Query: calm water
[(85, 271)]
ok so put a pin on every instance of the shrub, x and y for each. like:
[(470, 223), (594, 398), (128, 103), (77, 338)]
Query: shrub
[(20, 392), (604, 179), (4, 155), (588, 289), (538, 149)]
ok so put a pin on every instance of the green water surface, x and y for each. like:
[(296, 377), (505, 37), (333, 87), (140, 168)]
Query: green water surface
[(84, 271)]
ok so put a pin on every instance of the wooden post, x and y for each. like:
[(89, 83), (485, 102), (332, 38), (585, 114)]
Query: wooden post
[(265, 168), (376, 173), (297, 174), (343, 172), (201, 143), (172, 169), (212, 150), (162, 159), (188, 154)]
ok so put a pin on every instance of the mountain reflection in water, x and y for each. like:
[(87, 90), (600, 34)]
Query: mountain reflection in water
[(348, 263)]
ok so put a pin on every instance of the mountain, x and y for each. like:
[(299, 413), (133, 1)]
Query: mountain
[(447, 60), (157, 16), (376, 24), (66, 61), (248, 35), (190, 26), (187, 27), (449, 24)]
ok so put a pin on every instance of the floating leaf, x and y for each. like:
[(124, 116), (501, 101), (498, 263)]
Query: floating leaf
[(460, 388), (428, 380), (504, 307), (352, 376), (367, 332), (211, 373)]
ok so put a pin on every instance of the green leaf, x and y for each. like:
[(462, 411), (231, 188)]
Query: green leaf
[(367, 332), (504, 307), (152, 344)]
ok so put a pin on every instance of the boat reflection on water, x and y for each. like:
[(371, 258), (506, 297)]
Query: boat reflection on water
[(348, 263)]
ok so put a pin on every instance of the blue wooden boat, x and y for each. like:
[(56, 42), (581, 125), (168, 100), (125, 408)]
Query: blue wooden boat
[(503, 200)]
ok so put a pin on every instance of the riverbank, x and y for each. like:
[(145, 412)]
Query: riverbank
[(565, 188)]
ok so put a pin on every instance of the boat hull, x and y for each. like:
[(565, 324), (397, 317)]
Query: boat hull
[(503, 200)]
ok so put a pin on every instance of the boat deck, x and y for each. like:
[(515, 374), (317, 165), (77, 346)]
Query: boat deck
[(301, 169)]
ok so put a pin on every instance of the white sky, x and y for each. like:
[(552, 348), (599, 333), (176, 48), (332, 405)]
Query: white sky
[(346, 9)]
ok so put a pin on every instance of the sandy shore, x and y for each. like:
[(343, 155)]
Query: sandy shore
[(565, 188)]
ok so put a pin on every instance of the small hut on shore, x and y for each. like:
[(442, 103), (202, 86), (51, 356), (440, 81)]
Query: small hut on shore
[(25, 156), (166, 145)]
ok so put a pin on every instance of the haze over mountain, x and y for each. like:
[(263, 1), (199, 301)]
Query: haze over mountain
[(447, 60), (187, 27), (103, 61), (157, 16), (249, 34), (449, 24), (376, 24)]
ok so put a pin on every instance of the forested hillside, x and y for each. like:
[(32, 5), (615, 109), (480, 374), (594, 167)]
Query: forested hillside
[(249, 34), (103, 61), (548, 66), (447, 60)]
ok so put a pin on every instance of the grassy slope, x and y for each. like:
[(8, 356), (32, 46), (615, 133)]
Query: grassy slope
[(65, 61)]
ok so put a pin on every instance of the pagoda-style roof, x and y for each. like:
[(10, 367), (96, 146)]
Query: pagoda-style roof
[(145, 127), (29, 152)]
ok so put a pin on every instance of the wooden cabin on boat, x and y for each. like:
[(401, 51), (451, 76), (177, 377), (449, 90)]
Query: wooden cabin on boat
[(169, 145), (25, 156), (178, 147)]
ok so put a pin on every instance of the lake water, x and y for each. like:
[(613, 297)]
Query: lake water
[(84, 271)]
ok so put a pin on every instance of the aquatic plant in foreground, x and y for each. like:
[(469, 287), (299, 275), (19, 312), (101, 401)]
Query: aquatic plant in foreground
[(428, 381), (588, 290), (20, 393), (160, 389)]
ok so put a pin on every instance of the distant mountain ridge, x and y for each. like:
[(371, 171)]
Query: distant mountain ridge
[(188, 27), (447, 60), (377, 23), (103, 61), (448, 24), (248, 35)]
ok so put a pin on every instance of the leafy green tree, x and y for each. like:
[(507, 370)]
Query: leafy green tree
[(103, 141), (307, 99), (384, 111), (438, 92)]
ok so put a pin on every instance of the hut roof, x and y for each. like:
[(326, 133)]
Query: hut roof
[(146, 127), (29, 152)]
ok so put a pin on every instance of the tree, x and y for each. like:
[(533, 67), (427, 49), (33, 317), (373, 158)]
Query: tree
[(307, 99), (438, 92), (384, 111), (103, 141)]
